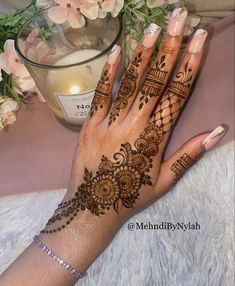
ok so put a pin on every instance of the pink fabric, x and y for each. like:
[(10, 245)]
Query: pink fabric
[(36, 153)]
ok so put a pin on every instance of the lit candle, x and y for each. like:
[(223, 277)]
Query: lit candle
[(73, 88)]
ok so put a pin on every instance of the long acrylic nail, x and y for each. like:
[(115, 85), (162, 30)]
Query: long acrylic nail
[(213, 138), (115, 52), (177, 21), (197, 41), (151, 35)]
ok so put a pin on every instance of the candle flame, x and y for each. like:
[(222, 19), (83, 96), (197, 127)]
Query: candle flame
[(75, 89)]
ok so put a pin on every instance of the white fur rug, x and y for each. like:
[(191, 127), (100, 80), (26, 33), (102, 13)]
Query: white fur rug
[(149, 257)]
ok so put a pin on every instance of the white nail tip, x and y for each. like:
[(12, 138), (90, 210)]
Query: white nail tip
[(115, 48), (200, 32), (177, 12), (197, 41), (213, 138), (152, 28), (112, 59)]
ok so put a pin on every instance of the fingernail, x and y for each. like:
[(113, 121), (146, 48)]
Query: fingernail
[(115, 52), (213, 138), (177, 21), (151, 35), (197, 41)]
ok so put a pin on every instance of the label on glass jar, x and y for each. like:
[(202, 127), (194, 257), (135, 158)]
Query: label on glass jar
[(75, 106)]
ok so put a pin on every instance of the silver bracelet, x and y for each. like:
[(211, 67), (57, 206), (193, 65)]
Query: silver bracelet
[(64, 264)]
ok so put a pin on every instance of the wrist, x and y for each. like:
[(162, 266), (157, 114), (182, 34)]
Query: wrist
[(84, 239)]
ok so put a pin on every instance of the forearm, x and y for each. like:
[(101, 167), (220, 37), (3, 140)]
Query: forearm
[(79, 245)]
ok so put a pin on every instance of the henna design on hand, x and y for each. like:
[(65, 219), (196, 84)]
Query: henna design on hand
[(154, 82), (116, 184), (127, 88), (181, 166), (102, 93), (172, 101)]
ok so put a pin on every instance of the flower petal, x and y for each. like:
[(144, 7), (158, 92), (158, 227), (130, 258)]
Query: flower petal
[(117, 8), (101, 14), (91, 11), (75, 20), (9, 47), (108, 5), (3, 63), (26, 84), (58, 14), (155, 3)]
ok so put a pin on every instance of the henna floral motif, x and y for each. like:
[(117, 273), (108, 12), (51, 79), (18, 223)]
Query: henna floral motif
[(127, 88), (102, 95), (154, 82), (117, 183), (182, 165), (181, 85)]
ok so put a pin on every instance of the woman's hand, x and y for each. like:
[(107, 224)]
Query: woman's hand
[(118, 169)]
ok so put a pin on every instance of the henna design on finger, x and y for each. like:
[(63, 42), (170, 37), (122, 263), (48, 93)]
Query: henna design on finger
[(127, 88), (102, 93), (172, 101), (184, 163), (115, 184), (154, 82), (181, 166)]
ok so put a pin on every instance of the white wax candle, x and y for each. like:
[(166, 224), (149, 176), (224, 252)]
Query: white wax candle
[(76, 79), (73, 88)]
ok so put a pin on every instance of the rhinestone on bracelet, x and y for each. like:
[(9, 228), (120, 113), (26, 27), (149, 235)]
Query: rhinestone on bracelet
[(59, 260)]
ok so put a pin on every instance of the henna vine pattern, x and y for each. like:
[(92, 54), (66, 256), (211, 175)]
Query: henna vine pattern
[(182, 165), (127, 88), (101, 97), (154, 82), (117, 183)]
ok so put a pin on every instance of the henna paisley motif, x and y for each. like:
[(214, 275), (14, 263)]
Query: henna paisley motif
[(127, 88)]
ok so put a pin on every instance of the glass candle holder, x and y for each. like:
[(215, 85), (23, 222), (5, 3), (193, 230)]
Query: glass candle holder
[(66, 63)]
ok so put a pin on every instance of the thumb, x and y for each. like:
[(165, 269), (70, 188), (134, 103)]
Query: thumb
[(191, 151)]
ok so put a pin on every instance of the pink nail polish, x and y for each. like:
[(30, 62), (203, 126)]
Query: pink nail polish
[(197, 41), (177, 21), (115, 52), (151, 35), (213, 138)]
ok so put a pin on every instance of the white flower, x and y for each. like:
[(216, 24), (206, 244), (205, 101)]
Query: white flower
[(117, 7), (8, 105), (8, 118)]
